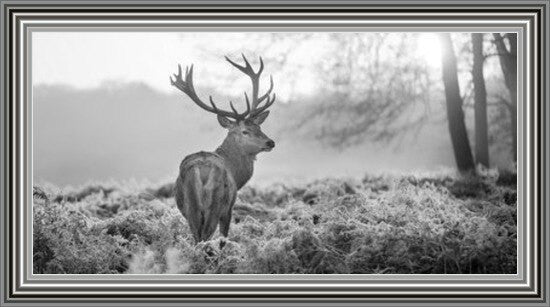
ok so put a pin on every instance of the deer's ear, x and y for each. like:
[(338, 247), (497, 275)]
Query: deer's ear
[(225, 122), (260, 118)]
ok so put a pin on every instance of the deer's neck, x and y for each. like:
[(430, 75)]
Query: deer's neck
[(239, 163)]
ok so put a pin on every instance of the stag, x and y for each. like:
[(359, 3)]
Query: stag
[(207, 185)]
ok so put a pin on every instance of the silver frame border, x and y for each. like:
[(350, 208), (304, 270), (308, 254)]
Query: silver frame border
[(399, 289)]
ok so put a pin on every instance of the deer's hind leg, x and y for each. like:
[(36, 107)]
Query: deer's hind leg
[(188, 190), (211, 204)]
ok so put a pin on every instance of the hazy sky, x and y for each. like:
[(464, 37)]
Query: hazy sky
[(104, 108), (86, 60)]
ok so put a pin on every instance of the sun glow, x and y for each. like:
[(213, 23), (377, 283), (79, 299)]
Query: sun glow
[(429, 48)]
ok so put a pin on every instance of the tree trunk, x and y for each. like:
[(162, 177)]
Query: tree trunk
[(508, 64), (480, 98), (455, 114), (514, 130)]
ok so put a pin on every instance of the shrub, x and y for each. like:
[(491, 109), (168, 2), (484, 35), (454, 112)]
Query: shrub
[(426, 224), (65, 242), (469, 187), (507, 178)]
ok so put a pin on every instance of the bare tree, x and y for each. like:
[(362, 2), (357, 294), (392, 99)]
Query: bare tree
[(374, 90), (480, 98), (455, 114)]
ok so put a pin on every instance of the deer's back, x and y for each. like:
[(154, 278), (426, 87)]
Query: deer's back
[(204, 162)]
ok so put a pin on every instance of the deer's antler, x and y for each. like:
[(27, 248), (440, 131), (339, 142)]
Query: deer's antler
[(252, 110)]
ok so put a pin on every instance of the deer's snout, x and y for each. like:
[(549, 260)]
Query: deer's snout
[(270, 144)]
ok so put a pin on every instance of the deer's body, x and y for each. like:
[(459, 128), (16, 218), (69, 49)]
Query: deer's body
[(207, 184), (205, 194)]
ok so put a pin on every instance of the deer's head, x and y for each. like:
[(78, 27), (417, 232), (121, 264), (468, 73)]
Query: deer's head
[(244, 128)]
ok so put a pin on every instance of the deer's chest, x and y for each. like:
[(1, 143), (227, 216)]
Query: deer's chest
[(243, 172)]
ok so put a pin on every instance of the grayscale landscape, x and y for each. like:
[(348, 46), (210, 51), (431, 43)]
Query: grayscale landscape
[(393, 153)]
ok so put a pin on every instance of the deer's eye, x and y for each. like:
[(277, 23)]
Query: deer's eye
[(246, 132)]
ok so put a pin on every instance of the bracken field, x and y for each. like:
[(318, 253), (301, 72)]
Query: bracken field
[(435, 223)]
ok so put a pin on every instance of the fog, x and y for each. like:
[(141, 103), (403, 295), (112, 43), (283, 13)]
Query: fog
[(131, 131)]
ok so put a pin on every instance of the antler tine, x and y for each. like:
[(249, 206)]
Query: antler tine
[(268, 103), (189, 78), (212, 102), (247, 103), (261, 67), (266, 95), (233, 107), (246, 70), (178, 76), (248, 66)]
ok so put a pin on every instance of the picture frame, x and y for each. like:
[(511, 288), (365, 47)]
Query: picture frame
[(529, 287)]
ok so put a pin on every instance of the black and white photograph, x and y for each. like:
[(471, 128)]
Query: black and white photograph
[(181, 152)]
